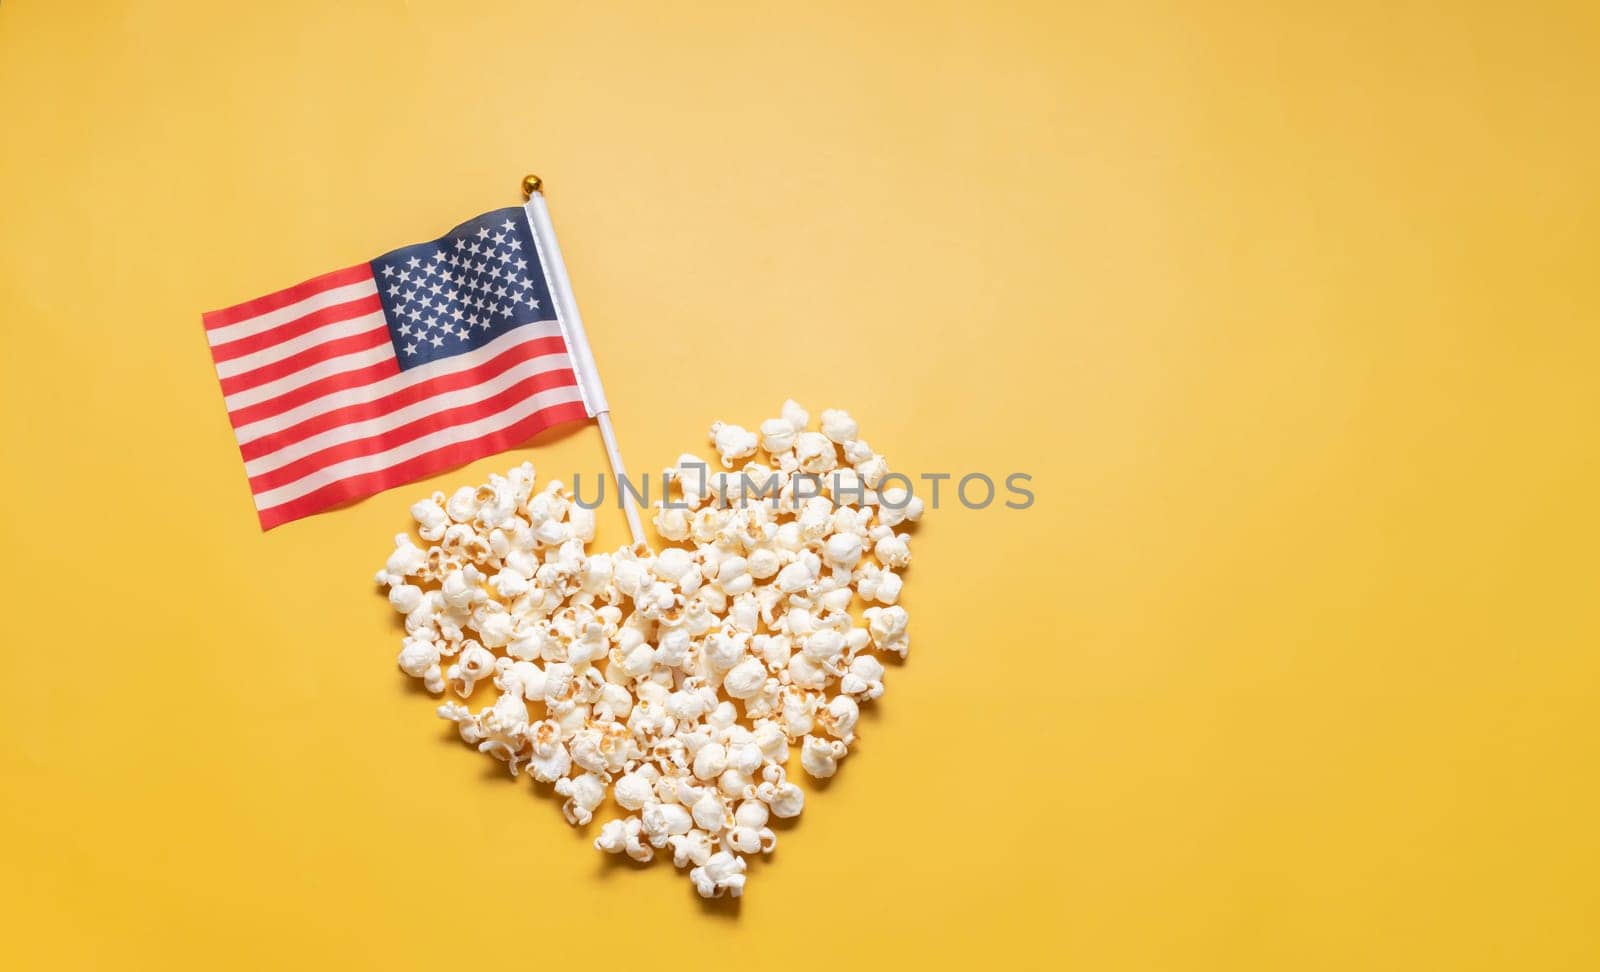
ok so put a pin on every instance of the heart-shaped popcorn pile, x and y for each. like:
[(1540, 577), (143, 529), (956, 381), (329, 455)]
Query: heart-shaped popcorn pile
[(673, 681)]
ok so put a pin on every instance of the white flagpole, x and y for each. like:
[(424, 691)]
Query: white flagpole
[(629, 507), (594, 396)]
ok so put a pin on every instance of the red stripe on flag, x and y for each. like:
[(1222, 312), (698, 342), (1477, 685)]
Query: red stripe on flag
[(295, 328), (283, 298), (454, 454), (305, 359), (410, 395), (416, 429), (354, 378)]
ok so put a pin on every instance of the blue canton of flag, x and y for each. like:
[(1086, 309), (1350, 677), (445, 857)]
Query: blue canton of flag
[(463, 290)]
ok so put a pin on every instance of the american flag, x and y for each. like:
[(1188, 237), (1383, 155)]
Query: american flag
[(427, 357)]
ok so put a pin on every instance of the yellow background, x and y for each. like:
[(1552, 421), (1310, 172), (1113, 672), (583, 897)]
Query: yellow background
[(1290, 311)]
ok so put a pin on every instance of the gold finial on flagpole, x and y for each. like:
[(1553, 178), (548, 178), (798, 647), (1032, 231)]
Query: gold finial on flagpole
[(531, 184)]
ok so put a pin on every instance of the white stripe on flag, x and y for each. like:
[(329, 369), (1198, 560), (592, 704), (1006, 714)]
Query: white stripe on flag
[(394, 420), (291, 312), (310, 339), (377, 462), (373, 391), (305, 376)]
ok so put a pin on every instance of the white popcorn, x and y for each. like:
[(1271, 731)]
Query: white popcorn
[(510, 584), (475, 664), (584, 792), (724, 650), (722, 873), (799, 575), (786, 800), (524, 677), (431, 517), (770, 740), (674, 681), (797, 417), (752, 814), (580, 523), (838, 718), (466, 724), (820, 757), (815, 452), (662, 820), (893, 550), (838, 425), (745, 756), (798, 711), (625, 836), (632, 791), (837, 601), (777, 435), (710, 815), (672, 524), (496, 629), (733, 442), (823, 645), (864, 680), (763, 563), (773, 650), (407, 559), (888, 628), (745, 840), (418, 655), (896, 505), (405, 597), (871, 468), (806, 672), (878, 584), (842, 551), (745, 679), (672, 564), (710, 761), (693, 847), (463, 503), (459, 590), (733, 576)]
